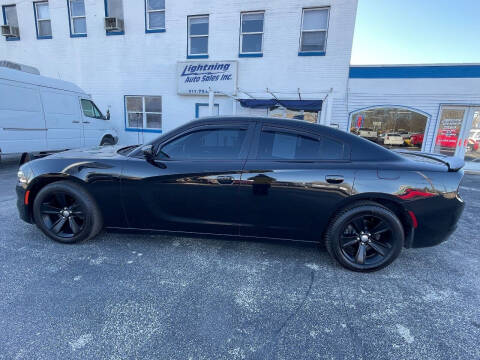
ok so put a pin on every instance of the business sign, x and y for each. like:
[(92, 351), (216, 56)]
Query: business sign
[(199, 77)]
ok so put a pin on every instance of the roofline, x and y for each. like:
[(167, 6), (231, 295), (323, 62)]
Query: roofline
[(422, 71)]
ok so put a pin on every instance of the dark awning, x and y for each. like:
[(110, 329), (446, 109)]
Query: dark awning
[(307, 105)]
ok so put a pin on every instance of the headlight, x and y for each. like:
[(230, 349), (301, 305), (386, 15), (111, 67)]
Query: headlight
[(21, 177)]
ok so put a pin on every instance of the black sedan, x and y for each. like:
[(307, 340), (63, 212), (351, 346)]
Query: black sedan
[(251, 178)]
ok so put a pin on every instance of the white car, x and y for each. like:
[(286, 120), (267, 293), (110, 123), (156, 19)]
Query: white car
[(41, 115), (393, 139)]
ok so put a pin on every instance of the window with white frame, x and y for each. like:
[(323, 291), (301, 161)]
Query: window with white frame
[(251, 32), (144, 112), (78, 20), (198, 35), (42, 16), (11, 19), (314, 30), (155, 16)]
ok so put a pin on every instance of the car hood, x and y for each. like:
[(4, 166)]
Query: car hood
[(98, 152)]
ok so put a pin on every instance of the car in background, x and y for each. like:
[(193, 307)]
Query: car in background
[(404, 134), (254, 178), (368, 133), (393, 139), (416, 140), (474, 140)]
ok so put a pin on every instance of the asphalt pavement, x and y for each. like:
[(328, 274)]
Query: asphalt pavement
[(141, 296)]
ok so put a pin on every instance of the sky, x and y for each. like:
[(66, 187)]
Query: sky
[(416, 32)]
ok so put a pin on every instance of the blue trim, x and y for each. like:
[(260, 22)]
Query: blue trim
[(144, 130), (112, 32), (36, 25), (250, 55), (70, 22), (197, 108), (154, 31), (311, 53), (197, 56), (5, 23), (415, 72)]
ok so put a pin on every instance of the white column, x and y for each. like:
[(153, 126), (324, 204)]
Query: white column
[(211, 100)]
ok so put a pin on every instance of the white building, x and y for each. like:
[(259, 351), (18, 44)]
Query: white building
[(157, 63)]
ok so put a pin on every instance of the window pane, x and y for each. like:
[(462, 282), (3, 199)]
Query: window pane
[(44, 28), (153, 103), (156, 20), (11, 15), (134, 103), (315, 19), (42, 11), (331, 150), (156, 4), (313, 41), (79, 26), (154, 121), (276, 145), (115, 8), (252, 23), (135, 120), (198, 26), (199, 45), (252, 43), (207, 144), (77, 7), (87, 107)]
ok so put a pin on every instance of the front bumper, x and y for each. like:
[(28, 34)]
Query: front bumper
[(23, 209)]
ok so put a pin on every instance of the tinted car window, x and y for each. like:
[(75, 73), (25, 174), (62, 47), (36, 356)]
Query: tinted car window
[(280, 145), (207, 144)]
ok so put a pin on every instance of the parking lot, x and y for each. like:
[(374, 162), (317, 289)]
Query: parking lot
[(143, 296)]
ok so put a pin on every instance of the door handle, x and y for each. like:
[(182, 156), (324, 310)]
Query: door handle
[(334, 179), (225, 180), (86, 122), (75, 121)]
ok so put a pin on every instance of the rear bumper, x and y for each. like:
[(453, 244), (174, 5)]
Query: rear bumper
[(23, 210), (437, 220)]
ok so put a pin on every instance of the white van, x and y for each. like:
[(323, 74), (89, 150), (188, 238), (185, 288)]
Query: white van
[(40, 114)]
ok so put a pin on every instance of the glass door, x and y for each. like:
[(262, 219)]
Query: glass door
[(471, 138), (449, 137)]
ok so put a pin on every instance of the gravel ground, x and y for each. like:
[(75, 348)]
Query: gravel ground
[(132, 296)]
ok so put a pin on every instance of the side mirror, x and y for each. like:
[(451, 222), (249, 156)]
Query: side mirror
[(148, 152), (107, 115)]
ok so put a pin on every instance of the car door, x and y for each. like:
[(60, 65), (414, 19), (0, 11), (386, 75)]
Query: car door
[(94, 123), (192, 184), (291, 183)]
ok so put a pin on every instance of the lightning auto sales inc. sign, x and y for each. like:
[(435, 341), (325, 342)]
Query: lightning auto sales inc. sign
[(198, 77)]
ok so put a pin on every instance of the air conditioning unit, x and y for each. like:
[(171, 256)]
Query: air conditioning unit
[(113, 23), (10, 31)]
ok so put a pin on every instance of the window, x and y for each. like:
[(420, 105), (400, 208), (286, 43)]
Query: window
[(42, 20), (91, 110), (313, 36), (10, 18), (114, 9), (144, 112), (276, 145), (198, 36), (78, 20), (251, 33), (155, 15), (207, 144)]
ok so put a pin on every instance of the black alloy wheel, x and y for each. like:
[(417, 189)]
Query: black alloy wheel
[(365, 237), (66, 212)]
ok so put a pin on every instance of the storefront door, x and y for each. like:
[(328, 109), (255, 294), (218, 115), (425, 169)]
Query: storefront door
[(454, 136)]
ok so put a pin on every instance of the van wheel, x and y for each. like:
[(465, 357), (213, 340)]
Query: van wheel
[(66, 212), (107, 140), (365, 237)]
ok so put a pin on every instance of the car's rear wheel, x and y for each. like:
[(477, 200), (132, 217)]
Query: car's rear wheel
[(66, 212), (365, 237)]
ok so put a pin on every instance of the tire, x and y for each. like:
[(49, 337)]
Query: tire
[(372, 248), (107, 140), (66, 212)]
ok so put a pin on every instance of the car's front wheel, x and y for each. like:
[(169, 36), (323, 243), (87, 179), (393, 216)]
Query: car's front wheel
[(66, 212), (365, 237)]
